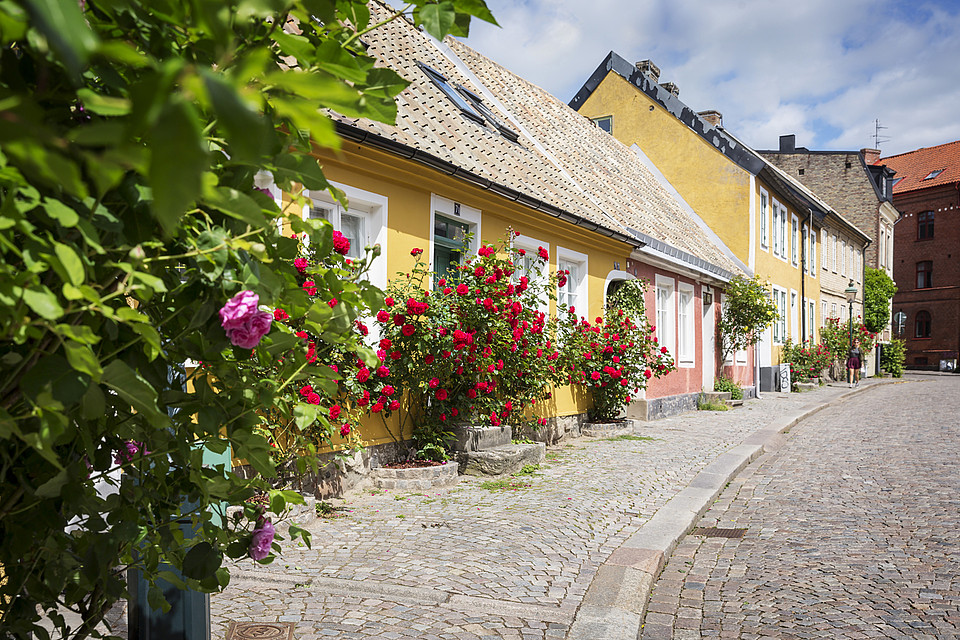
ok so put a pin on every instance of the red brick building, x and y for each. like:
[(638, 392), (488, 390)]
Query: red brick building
[(926, 265)]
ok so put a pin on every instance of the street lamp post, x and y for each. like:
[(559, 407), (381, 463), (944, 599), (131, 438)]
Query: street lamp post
[(851, 293)]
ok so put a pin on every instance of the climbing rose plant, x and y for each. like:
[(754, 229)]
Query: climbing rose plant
[(129, 143), (475, 348)]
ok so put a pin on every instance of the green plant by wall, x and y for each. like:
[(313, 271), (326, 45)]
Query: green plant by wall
[(806, 362), (748, 309), (878, 290), (727, 385), (894, 355)]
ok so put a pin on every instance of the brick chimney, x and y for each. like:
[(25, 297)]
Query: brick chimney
[(650, 69), (672, 88), (788, 143), (870, 156), (713, 117)]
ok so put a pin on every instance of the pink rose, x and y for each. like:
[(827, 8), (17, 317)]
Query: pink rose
[(262, 540), (301, 264), (340, 244), (243, 322)]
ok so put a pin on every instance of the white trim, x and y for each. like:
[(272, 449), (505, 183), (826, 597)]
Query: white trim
[(794, 301), (530, 247), (794, 244), (752, 251), (764, 220), (454, 210), (686, 359), (583, 288), (666, 335)]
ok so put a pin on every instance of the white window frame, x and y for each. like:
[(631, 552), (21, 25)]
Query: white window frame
[(666, 312), (764, 221), (883, 247), (833, 310), (813, 252), (448, 208), (811, 321), (824, 243), (581, 283), (794, 241), (780, 324), (686, 326), (794, 317), (530, 247), (836, 243), (823, 313), (843, 258), (374, 209)]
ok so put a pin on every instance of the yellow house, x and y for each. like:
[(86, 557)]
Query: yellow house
[(477, 150), (761, 217)]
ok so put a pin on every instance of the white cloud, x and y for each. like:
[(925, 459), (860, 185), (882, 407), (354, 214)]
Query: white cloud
[(822, 69)]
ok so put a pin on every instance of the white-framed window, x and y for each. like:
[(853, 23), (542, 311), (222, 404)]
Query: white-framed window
[(574, 292), (526, 266), (794, 318), (883, 247), (666, 313), (823, 313), (764, 222), (805, 232), (836, 243), (363, 222), (686, 341), (794, 240), (813, 253), (843, 313), (775, 226), (450, 224), (783, 232), (890, 239), (824, 243), (843, 257), (811, 321), (833, 310), (854, 271), (780, 324)]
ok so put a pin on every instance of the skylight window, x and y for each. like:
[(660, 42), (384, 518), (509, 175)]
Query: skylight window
[(933, 174), (477, 103), (441, 81), (895, 182)]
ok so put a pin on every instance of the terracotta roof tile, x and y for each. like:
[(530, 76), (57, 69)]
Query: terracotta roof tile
[(914, 166)]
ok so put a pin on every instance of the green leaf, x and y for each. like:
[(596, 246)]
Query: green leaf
[(278, 502), (71, 263), (436, 19), (103, 105), (302, 169), (202, 561), (60, 212), (236, 204), (54, 375), (156, 600), (93, 405), (82, 358), (43, 302), (133, 389), (51, 488), (305, 414), (152, 347), (246, 130), (66, 29), (177, 163)]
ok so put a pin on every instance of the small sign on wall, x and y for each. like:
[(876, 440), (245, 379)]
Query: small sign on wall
[(785, 377)]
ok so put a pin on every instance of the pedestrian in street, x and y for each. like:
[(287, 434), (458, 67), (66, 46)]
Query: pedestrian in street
[(854, 359)]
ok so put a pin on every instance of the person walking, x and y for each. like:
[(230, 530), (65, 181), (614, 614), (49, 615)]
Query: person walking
[(854, 360)]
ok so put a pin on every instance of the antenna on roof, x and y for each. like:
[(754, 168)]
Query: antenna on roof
[(878, 139)]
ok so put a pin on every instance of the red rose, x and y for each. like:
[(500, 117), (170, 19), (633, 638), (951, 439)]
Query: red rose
[(394, 405), (462, 289), (416, 252), (340, 243), (310, 287), (345, 430), (388, 390), (543, 253), (408, 330), (377, 408), (648, 374), (383, 372), (313, 398), (335, 412), (363, 375), (280, 314), (332, 302), (306, 390), (428, 359), (441, 394)]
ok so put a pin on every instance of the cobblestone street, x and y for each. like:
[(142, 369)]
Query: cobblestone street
[(852, 530), (483, 560)]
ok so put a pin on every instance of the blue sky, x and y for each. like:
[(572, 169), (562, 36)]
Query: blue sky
[(824, 70)]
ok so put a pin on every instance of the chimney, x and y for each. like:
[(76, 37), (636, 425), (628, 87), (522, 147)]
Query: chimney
[(788, 143), (672, 88), (715, 118), (650, 69), (870, 156)]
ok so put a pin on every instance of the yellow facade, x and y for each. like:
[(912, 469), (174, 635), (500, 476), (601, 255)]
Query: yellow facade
[(410, 191), (726, 196)]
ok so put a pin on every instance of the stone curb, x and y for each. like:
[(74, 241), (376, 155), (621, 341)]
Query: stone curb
[(614, 604)]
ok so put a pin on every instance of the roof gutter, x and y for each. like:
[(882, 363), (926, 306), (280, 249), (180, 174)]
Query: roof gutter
[(375, 141)]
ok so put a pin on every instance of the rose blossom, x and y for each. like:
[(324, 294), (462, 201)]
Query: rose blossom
[(345, 430), (340, 243), (280, 314), (261, 540), (301, 264), (243, 322)]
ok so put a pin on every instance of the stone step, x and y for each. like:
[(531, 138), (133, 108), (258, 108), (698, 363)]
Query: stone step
[(501, 460), (606, 429), (476, 438), (416, 478)]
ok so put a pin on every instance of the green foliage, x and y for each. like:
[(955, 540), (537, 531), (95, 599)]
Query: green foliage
[(878, 290), (893, 358), (129, 143), (727, 385), (747, 311), (705, 405), (835, 338)]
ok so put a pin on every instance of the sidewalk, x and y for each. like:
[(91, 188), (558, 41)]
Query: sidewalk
[(569, 551)]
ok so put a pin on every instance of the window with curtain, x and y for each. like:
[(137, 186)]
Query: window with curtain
[(922, 325), (925, 274)]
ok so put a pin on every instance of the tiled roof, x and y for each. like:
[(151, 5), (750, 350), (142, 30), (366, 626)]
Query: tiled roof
[(560, 158), (914, 166)]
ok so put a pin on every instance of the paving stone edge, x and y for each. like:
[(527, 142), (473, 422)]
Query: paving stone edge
[(614, 604)]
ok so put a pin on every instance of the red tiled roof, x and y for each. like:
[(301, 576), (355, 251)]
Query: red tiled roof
[(914, 166)]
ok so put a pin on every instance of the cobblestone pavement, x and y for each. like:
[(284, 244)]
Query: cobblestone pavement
[(852, 530), (485, 559)]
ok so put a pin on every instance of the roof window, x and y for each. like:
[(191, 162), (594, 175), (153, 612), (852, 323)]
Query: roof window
[(933, 174), (470, 104)]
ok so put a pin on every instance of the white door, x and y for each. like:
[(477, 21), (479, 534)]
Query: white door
[(709, 330)]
